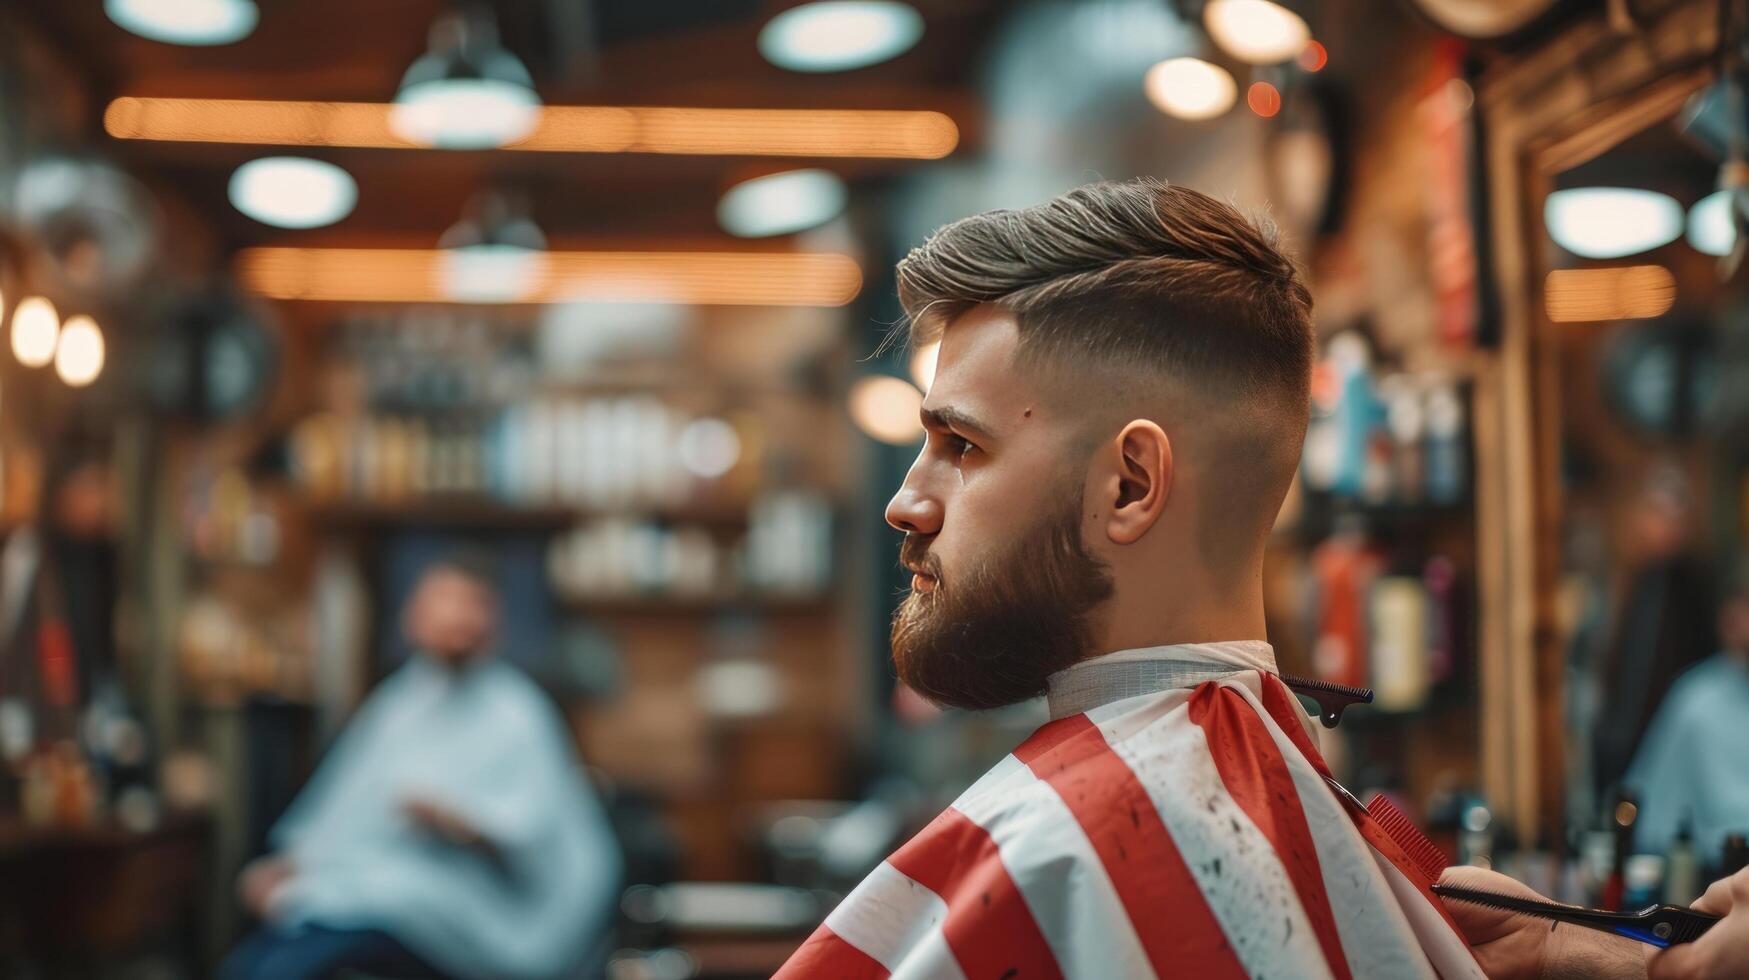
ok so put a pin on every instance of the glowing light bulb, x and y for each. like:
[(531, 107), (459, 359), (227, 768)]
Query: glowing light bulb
[(1256, 31), (79, 354), (1711, 226), (1611, 222), (293, 192), (192, 22), (781, 203), (886, 409), (35, 328), (838, 35), (1190, 88)]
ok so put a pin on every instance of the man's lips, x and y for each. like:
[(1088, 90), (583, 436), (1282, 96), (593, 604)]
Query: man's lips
[(921, 580)]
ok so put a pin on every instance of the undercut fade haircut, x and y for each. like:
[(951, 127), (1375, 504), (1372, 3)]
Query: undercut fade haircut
[(1138, 273), (1149, 285)]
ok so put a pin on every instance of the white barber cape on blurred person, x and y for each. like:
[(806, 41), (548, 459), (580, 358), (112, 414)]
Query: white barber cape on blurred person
[(487, 744), (1171, 820)]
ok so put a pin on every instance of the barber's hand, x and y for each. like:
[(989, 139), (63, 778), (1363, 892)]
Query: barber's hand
[(1511, 944), (441, 821), (1724, 950), (260, 880), (1507, 944)]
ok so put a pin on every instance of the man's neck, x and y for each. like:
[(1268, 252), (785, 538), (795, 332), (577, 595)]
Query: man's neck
[(1193, 616)]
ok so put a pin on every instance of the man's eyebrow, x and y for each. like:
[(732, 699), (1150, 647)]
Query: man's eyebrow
[(949, 417)]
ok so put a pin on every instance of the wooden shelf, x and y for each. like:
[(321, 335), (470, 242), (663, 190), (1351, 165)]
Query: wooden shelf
[(482, 513), (691, 606)]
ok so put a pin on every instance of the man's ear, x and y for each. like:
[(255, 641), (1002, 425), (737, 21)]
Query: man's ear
[(1143, 481)]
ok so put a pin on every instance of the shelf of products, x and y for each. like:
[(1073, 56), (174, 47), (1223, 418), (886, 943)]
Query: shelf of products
[(700, 606), (479, 513)]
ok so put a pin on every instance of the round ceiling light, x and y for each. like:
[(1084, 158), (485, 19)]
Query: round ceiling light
[(491, 273), (885, 408), (1190, 88), (838, 35), (464, 113), (1256, 31), (1710, 225), (466, 92), (1611, 222), (79, 353), (293, 192), (778, 204), (192, 22), (495, 254)]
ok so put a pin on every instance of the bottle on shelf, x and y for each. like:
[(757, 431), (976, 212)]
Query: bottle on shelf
[(1735, 856), (1681, 869)]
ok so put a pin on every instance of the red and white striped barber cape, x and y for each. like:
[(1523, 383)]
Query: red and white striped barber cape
[(1160, 825)]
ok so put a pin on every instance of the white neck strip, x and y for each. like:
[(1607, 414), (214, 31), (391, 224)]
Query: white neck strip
[(1130, 673)]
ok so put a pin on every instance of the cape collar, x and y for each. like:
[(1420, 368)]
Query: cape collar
[(1130, 673)]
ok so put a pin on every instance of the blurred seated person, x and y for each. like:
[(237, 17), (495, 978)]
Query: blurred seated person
[(1692, 768), (1665, 623), (450, 832)]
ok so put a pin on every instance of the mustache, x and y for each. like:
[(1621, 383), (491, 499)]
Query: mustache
[(914, 553)]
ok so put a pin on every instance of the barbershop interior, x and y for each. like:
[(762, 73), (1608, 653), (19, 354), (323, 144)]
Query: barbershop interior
[(568, 330)]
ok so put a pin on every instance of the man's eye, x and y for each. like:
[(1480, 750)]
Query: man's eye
[(958, 446)]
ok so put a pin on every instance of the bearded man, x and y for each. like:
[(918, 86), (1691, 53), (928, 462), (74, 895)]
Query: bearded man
[(1118, 407)]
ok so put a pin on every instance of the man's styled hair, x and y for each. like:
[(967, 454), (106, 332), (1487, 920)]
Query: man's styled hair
[(1146, 283)]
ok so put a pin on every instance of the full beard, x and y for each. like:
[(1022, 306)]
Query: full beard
[(994, 637)]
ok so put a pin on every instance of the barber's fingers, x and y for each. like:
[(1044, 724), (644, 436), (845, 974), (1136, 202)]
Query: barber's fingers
[(1684, 961), (1726, 893), (1724, 949), (1482, 924)]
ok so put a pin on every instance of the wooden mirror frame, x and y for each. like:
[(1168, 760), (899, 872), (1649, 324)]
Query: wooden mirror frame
[(1597, 83)]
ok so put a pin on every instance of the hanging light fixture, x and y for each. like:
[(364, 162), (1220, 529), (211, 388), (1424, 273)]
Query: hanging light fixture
[(781, 203), (1611, 222), (495, 254), (293, 192), (466, 92), (191, 22), (1712, 228), (839, 35), (1256, 31)]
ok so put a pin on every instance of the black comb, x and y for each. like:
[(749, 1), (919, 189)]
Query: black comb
[(1654, 925), (1331, 698)]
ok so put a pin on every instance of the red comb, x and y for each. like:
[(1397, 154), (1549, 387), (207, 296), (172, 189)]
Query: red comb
[(1423, 853)]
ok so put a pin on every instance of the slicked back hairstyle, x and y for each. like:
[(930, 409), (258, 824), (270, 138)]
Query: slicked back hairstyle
[(1140, 280), (1137, 272)]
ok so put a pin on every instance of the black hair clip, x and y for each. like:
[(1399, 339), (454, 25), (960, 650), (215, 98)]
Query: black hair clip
[(1331, 698)]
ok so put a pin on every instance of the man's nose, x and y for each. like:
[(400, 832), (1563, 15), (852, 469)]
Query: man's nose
[(914, 512)]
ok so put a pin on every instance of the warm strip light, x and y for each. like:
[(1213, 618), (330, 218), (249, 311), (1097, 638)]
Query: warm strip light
[(1635, 292), (376, 275), (909, 134)]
